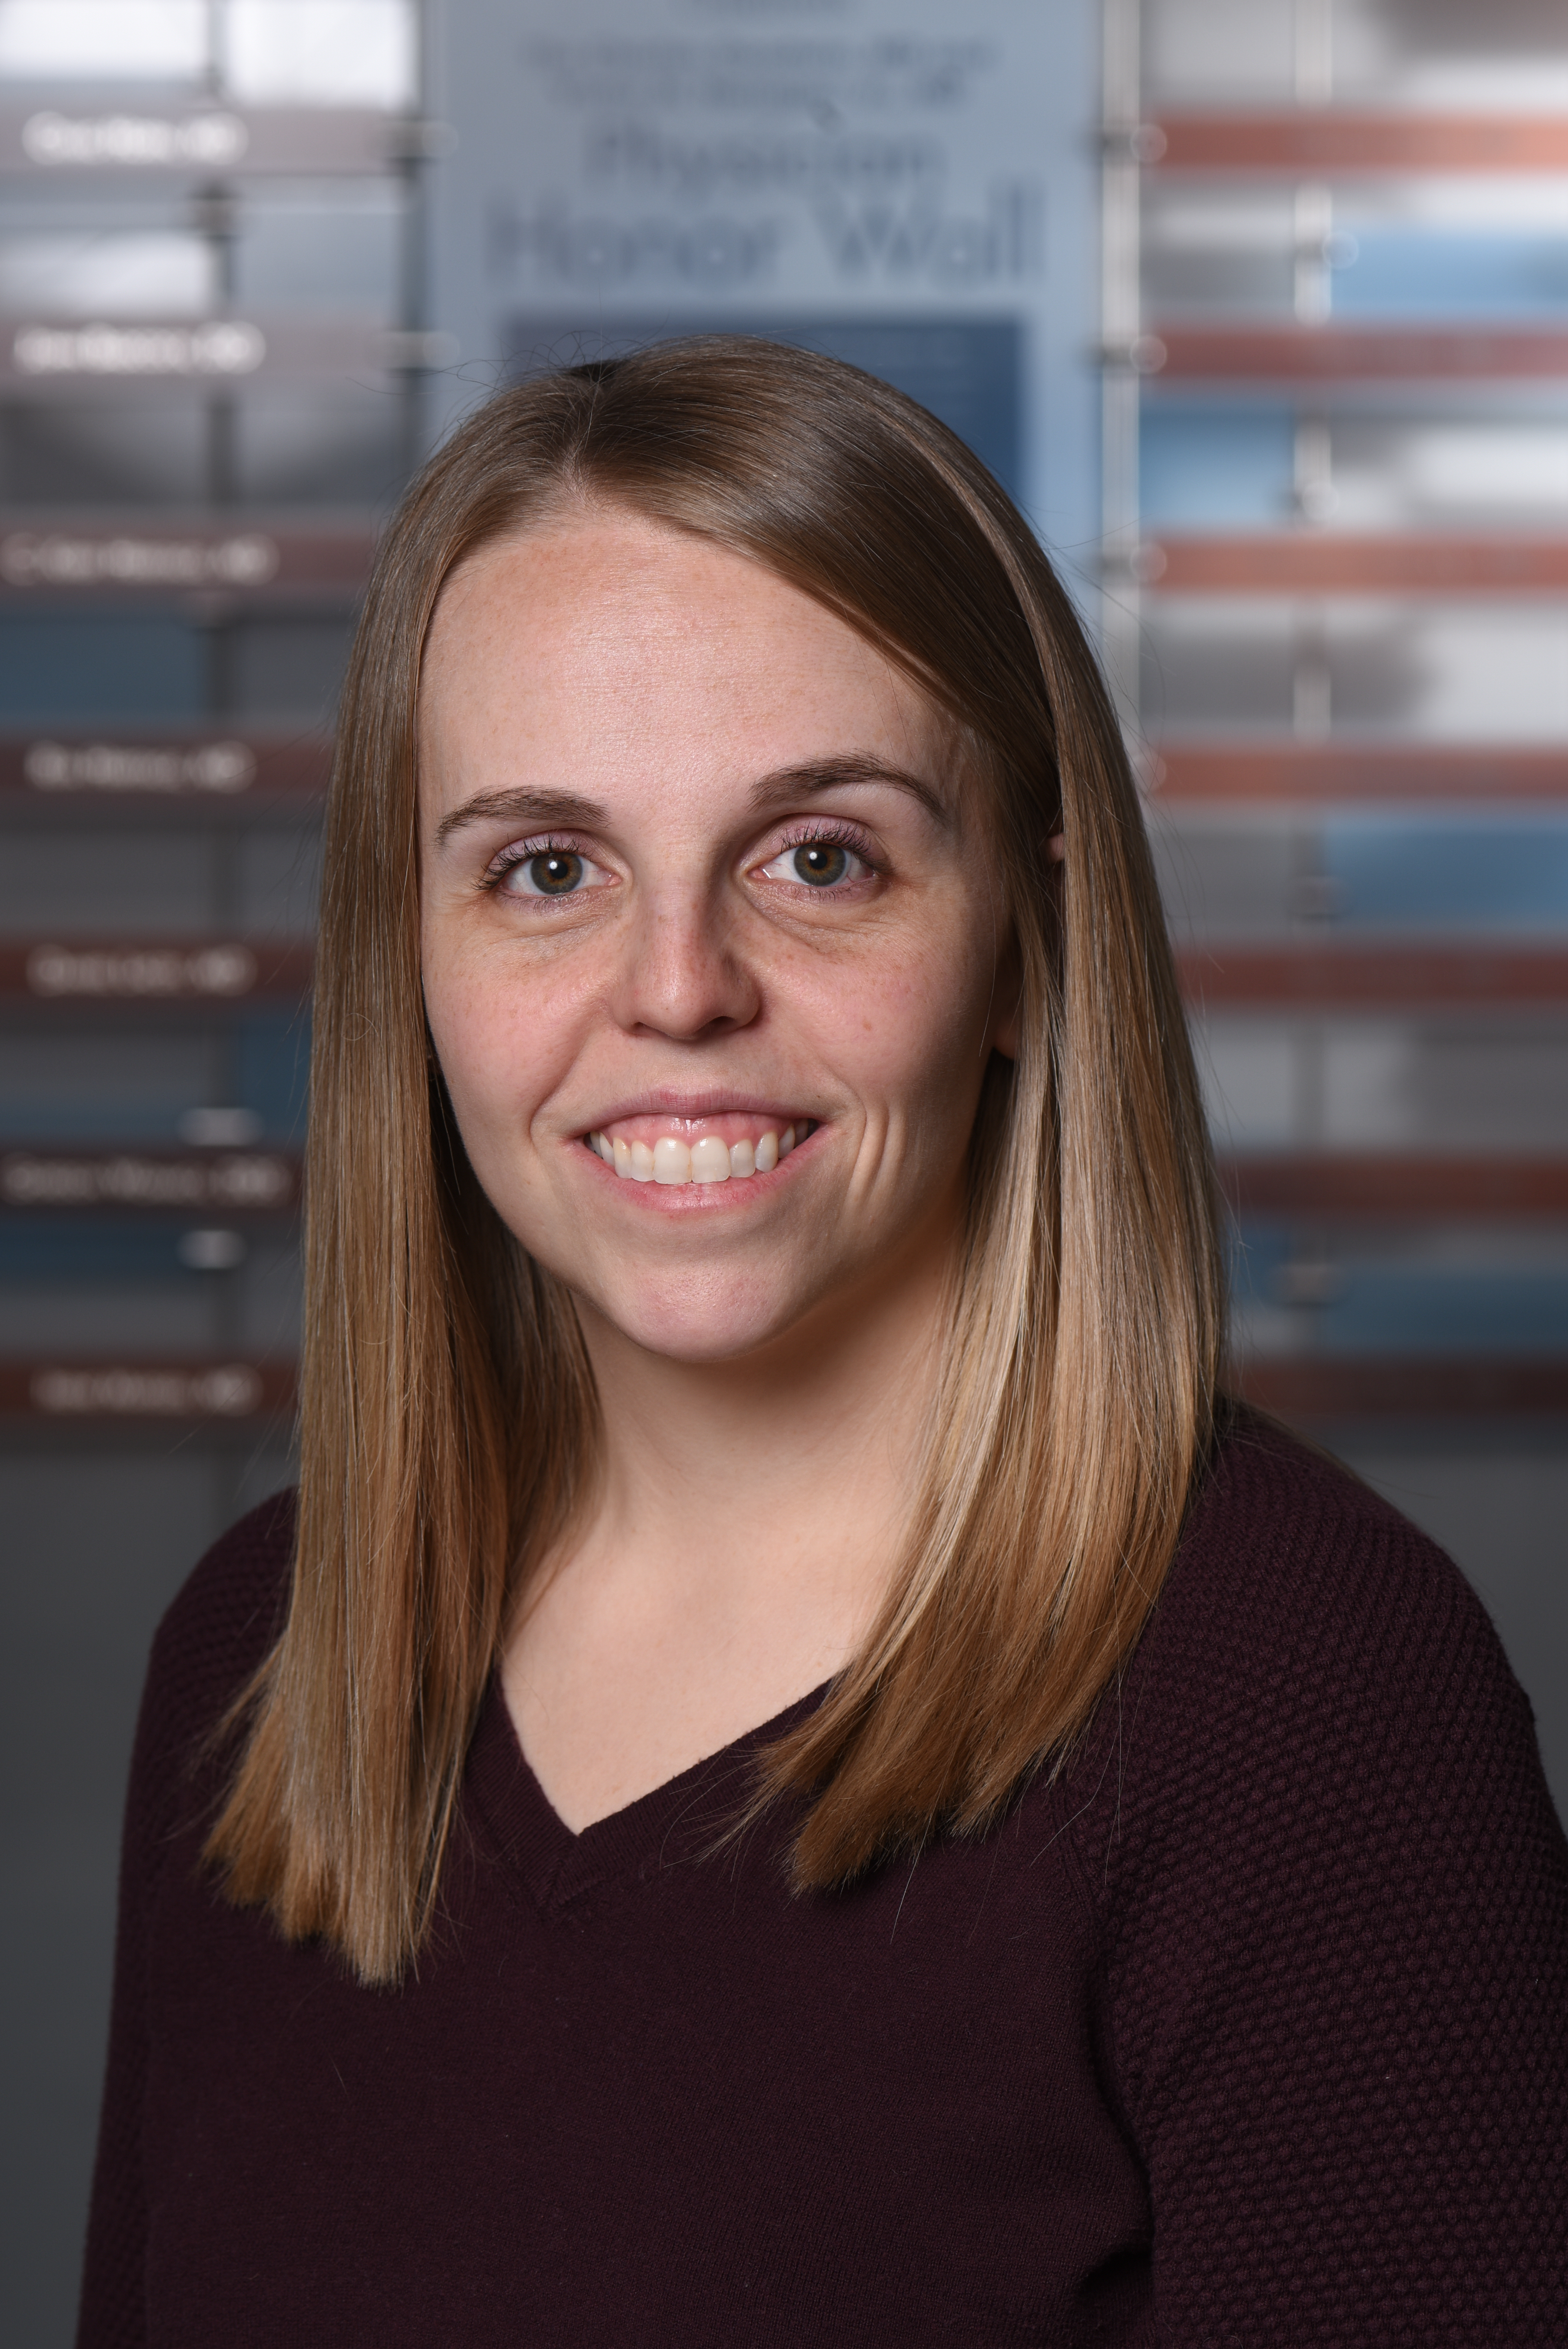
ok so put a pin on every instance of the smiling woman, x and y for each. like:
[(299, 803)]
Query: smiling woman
[(768, 942), (795, 1770)]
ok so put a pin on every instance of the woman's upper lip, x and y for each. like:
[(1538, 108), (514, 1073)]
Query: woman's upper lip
[(666, 1102)]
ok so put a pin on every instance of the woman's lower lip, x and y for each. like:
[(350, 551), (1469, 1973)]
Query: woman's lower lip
[(670, 1164)]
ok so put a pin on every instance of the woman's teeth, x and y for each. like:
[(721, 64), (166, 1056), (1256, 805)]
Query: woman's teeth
[(707, 1160)]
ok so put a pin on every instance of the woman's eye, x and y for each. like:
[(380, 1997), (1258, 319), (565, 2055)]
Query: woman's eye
[(551, 873), (820, 864)]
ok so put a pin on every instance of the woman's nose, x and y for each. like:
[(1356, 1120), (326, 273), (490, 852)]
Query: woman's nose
[(684, 975)]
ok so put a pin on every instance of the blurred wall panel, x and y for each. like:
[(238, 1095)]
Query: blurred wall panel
[(908, 183), (1336, 605), (209, 293)]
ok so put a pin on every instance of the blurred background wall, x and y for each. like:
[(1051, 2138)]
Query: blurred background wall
[(1260, 307)]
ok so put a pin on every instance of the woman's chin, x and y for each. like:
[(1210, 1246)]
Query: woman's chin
[(697, 1326)]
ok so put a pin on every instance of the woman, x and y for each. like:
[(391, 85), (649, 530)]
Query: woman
[(794, 1773)]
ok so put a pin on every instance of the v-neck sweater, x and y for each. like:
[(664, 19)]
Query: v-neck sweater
[(1251, 2027)]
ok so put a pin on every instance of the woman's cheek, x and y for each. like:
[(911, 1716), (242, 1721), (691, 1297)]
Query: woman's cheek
[(502, 1044), (910, 1028)]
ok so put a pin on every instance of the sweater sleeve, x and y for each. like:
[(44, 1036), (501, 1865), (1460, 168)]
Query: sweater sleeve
[(1333, 1895), (216, 1632)]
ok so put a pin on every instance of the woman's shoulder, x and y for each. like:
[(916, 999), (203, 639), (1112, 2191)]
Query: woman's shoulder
[(1331, 1897), (1318, 1739), (1307, 1627), (1317, 1689), (1288, 1555)]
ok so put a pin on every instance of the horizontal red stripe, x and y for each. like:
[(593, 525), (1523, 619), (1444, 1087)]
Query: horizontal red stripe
[(151, 971), (212, 768), (228, 1182), (1354, 976), (76, 1393), (1318, 1387), (1352, 771), (1290, 141), (1325, 353), (244, 558), (1408, 1186), (1330, 563)]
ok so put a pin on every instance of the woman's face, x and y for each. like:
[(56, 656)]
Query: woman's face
[(711, 934)]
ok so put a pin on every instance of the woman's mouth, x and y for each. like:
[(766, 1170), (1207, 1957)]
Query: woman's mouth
[(733, 1145)]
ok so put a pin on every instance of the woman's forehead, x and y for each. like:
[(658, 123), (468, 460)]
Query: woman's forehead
[(623, 622), (614, 567)]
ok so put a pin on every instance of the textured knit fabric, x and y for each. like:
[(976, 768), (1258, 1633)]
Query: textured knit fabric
[(1253, 2030)]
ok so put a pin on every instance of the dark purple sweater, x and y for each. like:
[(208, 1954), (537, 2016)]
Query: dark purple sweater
[(1253, 2031)]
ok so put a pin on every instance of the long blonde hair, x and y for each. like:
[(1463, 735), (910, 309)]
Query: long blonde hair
[(448, 1417)]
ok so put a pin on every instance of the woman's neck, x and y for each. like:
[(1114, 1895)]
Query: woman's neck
[(739, 1540)]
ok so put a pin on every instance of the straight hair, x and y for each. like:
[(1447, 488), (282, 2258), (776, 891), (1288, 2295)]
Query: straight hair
[(448, 1417)]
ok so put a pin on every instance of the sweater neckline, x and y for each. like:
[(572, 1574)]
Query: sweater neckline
[(675, 1825)]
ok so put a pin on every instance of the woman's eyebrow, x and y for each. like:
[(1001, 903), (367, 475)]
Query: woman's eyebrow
[(535, 810), (815, 775), (539, 811)]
